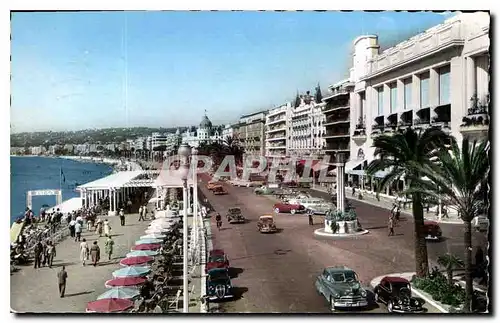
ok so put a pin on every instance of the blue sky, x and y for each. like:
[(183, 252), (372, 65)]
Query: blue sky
[(79, 70)]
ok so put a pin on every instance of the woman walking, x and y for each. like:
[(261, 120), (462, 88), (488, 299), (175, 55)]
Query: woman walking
[(107, 228), (84, 251), (95, 253), (98, 227), (108, 247)]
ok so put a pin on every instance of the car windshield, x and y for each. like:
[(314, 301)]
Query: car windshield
[(217, 258), (401, 287), (217, 275), (267, 220), (345, 276), (234, 210)]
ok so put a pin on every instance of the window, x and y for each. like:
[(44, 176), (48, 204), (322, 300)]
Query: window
[(394, 96), (424, 90), (380, 93), (444, 85), (407, 102)]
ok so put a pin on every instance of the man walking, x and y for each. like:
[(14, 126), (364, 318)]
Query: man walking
[(391, 225), (78, 231), (108, 247), (51, 253), (309, 214), (71, 227), (95, 253), (122, 217), (38, 253), (141, 216), (62, 276)]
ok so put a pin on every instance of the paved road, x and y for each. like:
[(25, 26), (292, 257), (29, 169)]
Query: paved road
[(277, 272)]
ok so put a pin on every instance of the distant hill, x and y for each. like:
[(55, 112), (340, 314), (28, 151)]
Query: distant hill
[(107, 135)]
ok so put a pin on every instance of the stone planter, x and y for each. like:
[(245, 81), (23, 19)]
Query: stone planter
[(351, 226)]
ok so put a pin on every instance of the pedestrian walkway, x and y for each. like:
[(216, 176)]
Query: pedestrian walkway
[(36, 290), (387, 203)]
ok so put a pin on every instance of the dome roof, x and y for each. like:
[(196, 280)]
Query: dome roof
[(205, 123)]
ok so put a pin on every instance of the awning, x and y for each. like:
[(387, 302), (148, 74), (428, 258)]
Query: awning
[(350, 165), (382, 173)]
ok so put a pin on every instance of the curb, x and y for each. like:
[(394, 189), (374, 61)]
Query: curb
[(321, 233), (375, 281)]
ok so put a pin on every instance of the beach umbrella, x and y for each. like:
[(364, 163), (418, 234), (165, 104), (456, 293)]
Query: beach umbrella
[(142, 253), (120, 292), (125, 282), (133, 261), (147, 246), (154, 236), (147, 241), (109, 305), (131, 271)]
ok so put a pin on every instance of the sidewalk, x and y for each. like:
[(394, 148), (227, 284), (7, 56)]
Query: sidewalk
[(387, 203)]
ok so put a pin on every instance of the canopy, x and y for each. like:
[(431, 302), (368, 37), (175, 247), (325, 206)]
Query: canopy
[(120, 292), (132, 261), (148, 241), (109, 305), (131, 271), (154, 236), (142, 253), (125, 281), (147, 246)]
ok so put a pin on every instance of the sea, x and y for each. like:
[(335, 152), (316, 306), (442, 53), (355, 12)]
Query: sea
[(37, 173)]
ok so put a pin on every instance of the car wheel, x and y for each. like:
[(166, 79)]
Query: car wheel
[(377, 299), (332, 304), (293, 211), (277, 210), (390, 307)]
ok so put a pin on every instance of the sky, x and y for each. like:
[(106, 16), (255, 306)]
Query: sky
[(81, 70)]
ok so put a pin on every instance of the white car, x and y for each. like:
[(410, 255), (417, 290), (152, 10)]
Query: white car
[(313, 204)]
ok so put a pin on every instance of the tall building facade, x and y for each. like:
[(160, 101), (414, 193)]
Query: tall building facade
[(276, 136), (437, 78), (251, 133)]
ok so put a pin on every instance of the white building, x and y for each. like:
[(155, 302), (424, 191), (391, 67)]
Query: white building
[(306, 127), (426, 80), (206, 133), (276, 127), (229, 131), (38, 150)]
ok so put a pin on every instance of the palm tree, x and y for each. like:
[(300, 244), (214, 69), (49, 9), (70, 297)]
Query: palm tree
[(462, 177), (233, 147), (450, 262), (399, 153)]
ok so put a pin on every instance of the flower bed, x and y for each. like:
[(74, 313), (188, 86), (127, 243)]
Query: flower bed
[(441, 291)]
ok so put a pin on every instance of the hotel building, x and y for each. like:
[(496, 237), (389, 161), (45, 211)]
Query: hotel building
[(277, 123), (251, 133)]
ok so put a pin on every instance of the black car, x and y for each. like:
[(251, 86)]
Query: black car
[(219, 284), (395, 292)]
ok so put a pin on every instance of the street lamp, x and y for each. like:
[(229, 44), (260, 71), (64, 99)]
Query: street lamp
[(340, 163), (184, 151), (194, 162)]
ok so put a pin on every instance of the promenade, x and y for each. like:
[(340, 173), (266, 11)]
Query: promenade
[(36, 290)]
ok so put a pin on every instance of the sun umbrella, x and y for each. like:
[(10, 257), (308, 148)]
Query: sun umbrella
[(125, 282), (120, 292), (154, 236), (146, 241), (131, 271), (147, 246), (142, 253), (109, 305), (133, 261)]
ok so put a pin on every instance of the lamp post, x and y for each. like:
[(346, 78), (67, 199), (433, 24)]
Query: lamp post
[(340, 163), (194, 162), (184, 151)]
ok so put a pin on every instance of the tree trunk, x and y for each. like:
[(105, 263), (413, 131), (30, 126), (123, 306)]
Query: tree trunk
[(468, 266), (421, 259), (449, 273)]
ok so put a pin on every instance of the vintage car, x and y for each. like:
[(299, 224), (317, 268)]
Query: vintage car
[(219, 190), (432, 230), (313, 204), (217, 259), (219, 284), (250, 183), (266, 224), (234, 215), (341, 288), (234, 182), (395, 292), (265, 190), (288, 208), (211, 185)]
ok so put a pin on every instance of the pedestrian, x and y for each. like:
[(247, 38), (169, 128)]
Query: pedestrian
[(107, 228), (84, 251), (78, 231), (51, 253), (98, 227), (353, 190), (310, 218), (62, 276), (141, 214), (129, 206), (95, 253), (38, 253), (122, 217), (145, 211), (108, 247), (391, 226), (90, 223), (72, 227), (398, 213), (43, 255), (445, 212)]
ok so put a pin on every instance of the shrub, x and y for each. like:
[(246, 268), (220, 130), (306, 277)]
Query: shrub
[(438, 287)]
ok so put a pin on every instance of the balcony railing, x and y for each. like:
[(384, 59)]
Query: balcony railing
[(337, 119)]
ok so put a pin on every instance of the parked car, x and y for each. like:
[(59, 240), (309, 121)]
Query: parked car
[(266, 224), (212, 185), (313, 204), (219, 285), (234, 215), (341, 288), (395, 292), (264, 190), (217, 259), (219, 190), (433, 231), (288, 208)]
